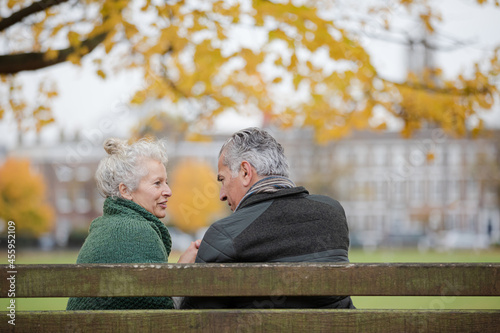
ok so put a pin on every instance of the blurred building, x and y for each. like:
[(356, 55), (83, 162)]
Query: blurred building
[(68, 168), (430, 190)]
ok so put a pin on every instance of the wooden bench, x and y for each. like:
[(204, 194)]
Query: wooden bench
[(254, 280)]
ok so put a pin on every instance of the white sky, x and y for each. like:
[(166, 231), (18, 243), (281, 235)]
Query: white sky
[(87, 103)]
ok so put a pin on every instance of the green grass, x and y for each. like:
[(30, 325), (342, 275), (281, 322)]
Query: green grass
[(413, 255), (355, 255)]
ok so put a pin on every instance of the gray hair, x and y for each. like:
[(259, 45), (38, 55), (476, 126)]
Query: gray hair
[(257, 147), (124, 164)]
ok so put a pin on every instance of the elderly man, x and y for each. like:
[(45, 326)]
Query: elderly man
[(273, 221)]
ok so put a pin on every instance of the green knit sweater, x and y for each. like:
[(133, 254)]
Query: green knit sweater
[(125, 233)]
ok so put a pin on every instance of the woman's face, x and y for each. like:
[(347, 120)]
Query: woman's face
[(153, 190)]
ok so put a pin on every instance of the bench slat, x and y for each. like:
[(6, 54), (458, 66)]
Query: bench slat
[(256, 321), (255, 280)]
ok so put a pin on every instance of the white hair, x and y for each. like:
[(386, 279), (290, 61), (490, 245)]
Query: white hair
[(124, 164), (257, 147)]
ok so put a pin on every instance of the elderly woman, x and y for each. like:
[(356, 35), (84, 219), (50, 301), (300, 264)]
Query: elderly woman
[(133, 179)]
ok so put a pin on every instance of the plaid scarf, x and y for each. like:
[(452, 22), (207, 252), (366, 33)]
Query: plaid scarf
[(269, 184)]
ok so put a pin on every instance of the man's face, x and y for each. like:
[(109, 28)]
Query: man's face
[(232, 189)]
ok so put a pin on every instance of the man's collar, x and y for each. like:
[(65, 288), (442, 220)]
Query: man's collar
[(263, 196)]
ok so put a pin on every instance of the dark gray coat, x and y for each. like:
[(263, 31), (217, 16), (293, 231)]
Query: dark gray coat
[(287, 226)]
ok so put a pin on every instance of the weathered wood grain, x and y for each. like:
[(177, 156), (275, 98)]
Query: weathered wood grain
[(483, 321), (255, 280)]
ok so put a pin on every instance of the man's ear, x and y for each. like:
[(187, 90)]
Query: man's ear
[(247, 173), (125, 193)]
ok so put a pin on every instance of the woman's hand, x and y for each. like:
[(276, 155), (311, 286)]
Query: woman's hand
[(189, 255)]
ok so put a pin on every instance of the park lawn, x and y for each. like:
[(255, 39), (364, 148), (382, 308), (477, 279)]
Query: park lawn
[(355, 255)]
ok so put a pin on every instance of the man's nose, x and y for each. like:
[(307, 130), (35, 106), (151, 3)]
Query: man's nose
[(222, 195)]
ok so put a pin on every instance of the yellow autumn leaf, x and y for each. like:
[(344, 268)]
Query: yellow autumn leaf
[(51, 54), (73, 38), (138, 98), (11, 3), (297, 79), (101, 74), (130, 30), (277, 34), (198, 137), (75, 59), (146, 5), (52, 94)]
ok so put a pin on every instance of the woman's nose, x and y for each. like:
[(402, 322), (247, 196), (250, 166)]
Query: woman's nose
[(167, 192)]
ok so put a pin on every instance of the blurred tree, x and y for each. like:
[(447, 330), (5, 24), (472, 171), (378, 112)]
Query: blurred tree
[(161, 125), (297, 62), (195, 201), (164, 124), (22, 198)]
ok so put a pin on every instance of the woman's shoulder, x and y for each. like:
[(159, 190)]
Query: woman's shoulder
[(109, 229), (115, 240)]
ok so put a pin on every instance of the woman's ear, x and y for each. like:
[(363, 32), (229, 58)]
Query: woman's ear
[(125, 193)]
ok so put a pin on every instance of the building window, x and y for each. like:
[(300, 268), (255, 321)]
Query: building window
[(451, 222), (417, 191), (436, 191), (398, 156), (472, 192), (397, 191), (359, 191), (63, 173), (471, 157), (361, 155), (417, 158), (82, 203), (380, 191), (454, 152), (83, 174), (438, 155), (63, 201), (341, 156), (343, 189), (353, 222), (380, 156), (453, 190)]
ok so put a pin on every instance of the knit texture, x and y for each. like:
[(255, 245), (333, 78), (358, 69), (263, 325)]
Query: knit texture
[(125, 233)]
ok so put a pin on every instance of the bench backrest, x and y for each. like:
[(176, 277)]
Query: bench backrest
[(254, 280), (257, 279)]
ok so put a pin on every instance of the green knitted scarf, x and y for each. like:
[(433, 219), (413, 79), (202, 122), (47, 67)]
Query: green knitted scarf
[(116, 206)]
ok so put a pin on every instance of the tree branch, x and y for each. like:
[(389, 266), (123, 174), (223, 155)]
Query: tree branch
[(20, 15), (14, 63), (445, 91)]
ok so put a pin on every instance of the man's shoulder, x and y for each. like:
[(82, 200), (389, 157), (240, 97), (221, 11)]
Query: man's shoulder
[(324, 199), (218, 242), (243, 216)]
